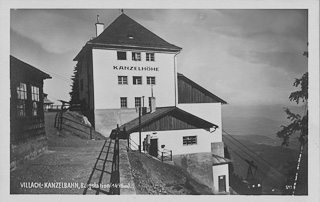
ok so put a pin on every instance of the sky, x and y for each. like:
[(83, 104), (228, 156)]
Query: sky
[(249, 58)]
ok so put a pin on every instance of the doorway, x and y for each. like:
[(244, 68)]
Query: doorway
[(222, 183), (153, 147)]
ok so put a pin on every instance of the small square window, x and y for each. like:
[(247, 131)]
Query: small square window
[(150, 56), (137, 101), (122, 80), (189, 140), (136, 56), (151, 80), (122, 55), (137, 80), (123, 102)]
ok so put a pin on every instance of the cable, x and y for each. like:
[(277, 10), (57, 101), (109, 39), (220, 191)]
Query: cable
[(251, 155), (254, 153), (277, 183)]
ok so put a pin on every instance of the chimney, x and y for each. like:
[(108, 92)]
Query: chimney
[(99, 27), (152, 104)]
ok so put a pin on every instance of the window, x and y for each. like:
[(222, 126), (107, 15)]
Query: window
[(122, 55), (22, 97), (123, 102), (136, 56), (189, 140), (122, 80), (150, 56), (151, 80), (35, 93), (137, 101), (35, 100), (137, 80)]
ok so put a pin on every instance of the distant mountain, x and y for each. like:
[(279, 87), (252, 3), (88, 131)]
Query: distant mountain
[(260, 129)]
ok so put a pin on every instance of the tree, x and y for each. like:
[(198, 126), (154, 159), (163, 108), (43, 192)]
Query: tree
[(299, 123), (74, 94)]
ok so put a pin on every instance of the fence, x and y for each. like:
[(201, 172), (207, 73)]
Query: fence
[(165, 155), (115, 173), (69, 124)]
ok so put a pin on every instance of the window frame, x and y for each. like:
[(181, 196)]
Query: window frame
[(123, 102), (188, 141), (136, 101), (136, 56), (150, 57), (149, 80), (35, 98), (135, 79), (121, 80), (22, 97), (120, 55)]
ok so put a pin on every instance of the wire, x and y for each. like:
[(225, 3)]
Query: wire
[(269, 164), (277, 183)]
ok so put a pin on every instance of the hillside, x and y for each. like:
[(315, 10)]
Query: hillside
[(282, 160), (154, 177)]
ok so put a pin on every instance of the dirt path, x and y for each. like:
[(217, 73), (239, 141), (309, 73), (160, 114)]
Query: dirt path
[(69, 159)]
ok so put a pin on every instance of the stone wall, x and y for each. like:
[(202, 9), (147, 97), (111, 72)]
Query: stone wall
[(199, 165), (30, 149), (126, 178)]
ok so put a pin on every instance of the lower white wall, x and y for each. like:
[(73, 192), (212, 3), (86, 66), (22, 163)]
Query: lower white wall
[(173, 140), (217, 171)]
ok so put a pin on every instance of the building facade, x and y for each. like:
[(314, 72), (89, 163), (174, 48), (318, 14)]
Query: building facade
[(126, 67), (121, 68), (27, 129)]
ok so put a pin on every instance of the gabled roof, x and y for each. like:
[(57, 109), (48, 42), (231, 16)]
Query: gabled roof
[(148, 119), (124, 32), (19, 67), (200, 88)]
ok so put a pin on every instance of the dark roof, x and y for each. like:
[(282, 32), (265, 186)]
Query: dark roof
[(218, 160), (116, 35), (147, 119), (19, 67), (200, 88), (47, 101)]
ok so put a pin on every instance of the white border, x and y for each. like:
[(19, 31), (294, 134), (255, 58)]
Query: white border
[(311, 5)]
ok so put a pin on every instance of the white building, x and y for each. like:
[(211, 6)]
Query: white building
[(126, 66)]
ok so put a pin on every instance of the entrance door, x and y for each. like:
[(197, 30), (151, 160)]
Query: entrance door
[(222, 183), (153, 147)]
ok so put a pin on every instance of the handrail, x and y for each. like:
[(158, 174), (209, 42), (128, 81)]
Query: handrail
[(59, 123), (165, 155)]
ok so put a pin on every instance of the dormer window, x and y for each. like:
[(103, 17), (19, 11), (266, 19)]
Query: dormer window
[(130, 36)]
